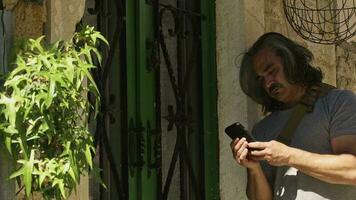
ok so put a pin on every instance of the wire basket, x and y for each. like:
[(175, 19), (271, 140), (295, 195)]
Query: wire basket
[(322, 21)]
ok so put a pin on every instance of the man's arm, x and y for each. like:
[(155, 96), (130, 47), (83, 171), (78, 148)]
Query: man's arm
[(257, 185), (339, 168)]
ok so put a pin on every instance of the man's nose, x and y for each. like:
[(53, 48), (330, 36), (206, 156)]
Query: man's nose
[(268, 81)]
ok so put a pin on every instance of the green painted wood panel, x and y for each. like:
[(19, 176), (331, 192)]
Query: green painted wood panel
[(211, 139), (140, 95)]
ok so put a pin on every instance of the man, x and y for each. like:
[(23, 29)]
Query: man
[(320, 161)]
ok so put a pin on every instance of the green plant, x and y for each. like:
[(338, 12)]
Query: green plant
[(44, 113)]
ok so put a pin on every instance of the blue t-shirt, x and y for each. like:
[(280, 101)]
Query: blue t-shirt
[(333, 115)]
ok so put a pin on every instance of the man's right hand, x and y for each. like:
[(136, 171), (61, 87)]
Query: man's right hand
[(240, 153)]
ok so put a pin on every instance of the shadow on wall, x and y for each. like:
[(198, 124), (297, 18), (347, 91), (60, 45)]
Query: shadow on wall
[(7, 188)]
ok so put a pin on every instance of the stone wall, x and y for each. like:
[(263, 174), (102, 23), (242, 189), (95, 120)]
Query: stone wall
[(53, 18), (62, 18), (29, 19), (232, 103), (346, 66)]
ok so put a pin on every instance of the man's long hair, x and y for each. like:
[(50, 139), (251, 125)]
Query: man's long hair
[(295, 58)]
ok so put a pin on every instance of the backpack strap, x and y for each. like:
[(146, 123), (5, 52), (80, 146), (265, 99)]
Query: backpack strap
[(306, 105)]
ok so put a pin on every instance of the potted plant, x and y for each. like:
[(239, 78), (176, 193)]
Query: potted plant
[(44, 113)]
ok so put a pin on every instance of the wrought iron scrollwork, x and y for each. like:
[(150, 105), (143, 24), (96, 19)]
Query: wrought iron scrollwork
[(98, 9), (179, 117), (101, 78), (153, 59)]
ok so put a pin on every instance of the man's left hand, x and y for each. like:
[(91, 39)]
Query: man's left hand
[(275, 153)]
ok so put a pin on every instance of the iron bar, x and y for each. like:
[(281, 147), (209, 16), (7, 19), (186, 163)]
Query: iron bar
[(172, 166)]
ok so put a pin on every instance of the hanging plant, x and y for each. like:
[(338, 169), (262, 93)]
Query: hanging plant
[(44, 113)]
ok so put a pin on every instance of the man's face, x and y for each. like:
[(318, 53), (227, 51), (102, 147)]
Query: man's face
[(270, 74)]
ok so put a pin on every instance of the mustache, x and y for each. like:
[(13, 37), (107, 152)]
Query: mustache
[(274, 86)]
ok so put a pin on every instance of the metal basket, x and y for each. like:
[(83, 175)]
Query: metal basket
[(322, 21)]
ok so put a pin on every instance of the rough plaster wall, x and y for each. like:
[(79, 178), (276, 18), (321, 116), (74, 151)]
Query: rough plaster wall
[(252, 32), (29, 20), (9, 4), (63, 15), (232, 104), (7, 187), (346, 68), (238, 26), (346, 61)]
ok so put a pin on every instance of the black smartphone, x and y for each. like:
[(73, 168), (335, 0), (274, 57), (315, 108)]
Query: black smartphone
[(237, 130)]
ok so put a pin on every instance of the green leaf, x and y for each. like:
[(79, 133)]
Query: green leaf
[(88, 156), (8, 142), (26, 172), (32, 124), (36, 44), (60, 184), (51, 93), (92, 82), (33, 138), (72, 175), (44, 59), (102, 38), (70, 68), (95, 173), (10, 109)]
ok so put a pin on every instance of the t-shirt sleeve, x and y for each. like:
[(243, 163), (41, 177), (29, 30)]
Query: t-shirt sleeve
[(343, 114)]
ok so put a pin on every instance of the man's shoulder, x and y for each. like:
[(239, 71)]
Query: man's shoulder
[(340, 92), (339, 96)]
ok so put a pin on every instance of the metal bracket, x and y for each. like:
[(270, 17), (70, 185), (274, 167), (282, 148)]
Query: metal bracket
[(153, 58), (136, 147), (152, 133), (149, 2), (170, 118), (112, 109)]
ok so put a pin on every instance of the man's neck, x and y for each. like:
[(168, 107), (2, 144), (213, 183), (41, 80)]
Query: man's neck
[(299, 93)]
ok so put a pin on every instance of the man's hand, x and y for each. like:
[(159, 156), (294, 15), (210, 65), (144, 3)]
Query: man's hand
[(240, 153), (275, 153)]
